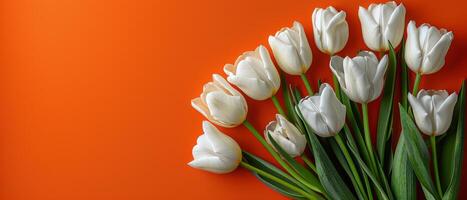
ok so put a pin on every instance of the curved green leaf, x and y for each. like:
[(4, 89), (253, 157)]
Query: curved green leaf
[(301, 170), (453, 151), (385, 109), (403, 182), (327, 173), (368, 172), (417, 152), (267, 167)]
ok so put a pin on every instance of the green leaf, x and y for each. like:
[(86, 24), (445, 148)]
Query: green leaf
[(384, 180), (368, 171), (404, 77), (417, 152), (453, 151), (385, 108), (301, 170), (353, 117), (343, 163), (327, 173), (403, 182), (287, 98), (267, 167), (351, 141)]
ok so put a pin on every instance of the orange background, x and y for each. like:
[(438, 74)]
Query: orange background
[(95, 95)]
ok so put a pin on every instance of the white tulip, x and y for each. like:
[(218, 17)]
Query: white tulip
[(215, 152), (291, 49), (382, 23), (286, 135), (255, 74), (221, 104), (323, 112), (433, 110), (330, 29), (426, 48), (361, 77)]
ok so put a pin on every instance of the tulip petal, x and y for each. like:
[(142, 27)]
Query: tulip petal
[(443, 113), (270, 69), (378, 78), (260, 91), (337, 67), (421, 115), (304, 50), (227, 110), (201, 107), (355, 71), (337, 33), (413, 53), (370, 29), (435, 58), (286, 56), (310, 110), (395, 26), (317, 28), (331, 109), (212, 164)]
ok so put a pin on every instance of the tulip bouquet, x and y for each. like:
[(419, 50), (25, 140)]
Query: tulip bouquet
[(321, 142)]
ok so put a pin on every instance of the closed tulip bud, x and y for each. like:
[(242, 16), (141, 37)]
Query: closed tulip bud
[(286, 135), (433, 110), (330, 29), (255, 74), (426, 48), (382, 23), (215, 152), (361, 77), (291, 49), (221, 104), (324, 113)]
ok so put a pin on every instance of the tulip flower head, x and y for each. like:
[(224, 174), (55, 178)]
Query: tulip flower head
[(323, 112), (215, 152), (426, 48), (330, 29), (382, 23), (287, 136), (433, 110), (361, 77), (291, 49), (255, 74), (221, 104)]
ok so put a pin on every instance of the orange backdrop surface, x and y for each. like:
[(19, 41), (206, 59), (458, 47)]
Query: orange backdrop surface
[(95, 95)]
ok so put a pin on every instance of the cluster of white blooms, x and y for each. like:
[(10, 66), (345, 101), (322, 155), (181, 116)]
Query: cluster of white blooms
[(361, 78)]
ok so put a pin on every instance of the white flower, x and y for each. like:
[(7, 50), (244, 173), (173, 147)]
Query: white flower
[(221, 104), (291, 49), (382, 23), (330, 29), (255, 74), (324, 113), (361, 77), (286, 135), (433, 110), (426, 48), (215, 152)]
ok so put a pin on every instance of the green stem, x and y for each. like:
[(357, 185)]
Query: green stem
[(435, 164), (309, 163), (278, 105), (277, 180), (351, 163), (366, 127), (418, 78), (307, 84), (337, 87), (277, 157)]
